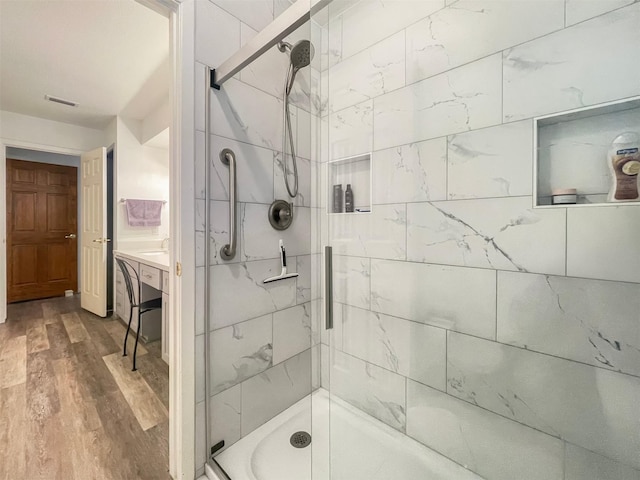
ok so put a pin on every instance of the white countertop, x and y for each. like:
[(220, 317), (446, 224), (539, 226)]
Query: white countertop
[(152, 258)]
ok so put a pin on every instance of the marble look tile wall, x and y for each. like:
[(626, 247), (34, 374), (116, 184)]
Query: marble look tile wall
[(584, 405), (454, 298), (369, 22), (461, 99), (380, 234), (490, 26), (351, 281), (603, 243), (501, 233), (273, 391), (590, 321), (350, 131), (529, 316), (412, 349), (379, 392), (492, 162), (241, 351), (580, 10), (379, 68), (491, 445), (410, 173), (291, 332), (582, 464), (564, 70)]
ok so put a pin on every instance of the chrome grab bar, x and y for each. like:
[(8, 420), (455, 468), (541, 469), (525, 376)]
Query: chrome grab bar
[(228, 158)]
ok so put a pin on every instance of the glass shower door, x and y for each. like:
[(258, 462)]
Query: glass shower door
[(479, 330)]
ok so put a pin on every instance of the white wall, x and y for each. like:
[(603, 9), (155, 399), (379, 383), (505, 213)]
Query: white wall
[(157, 121), (38, 133), (142, 173)]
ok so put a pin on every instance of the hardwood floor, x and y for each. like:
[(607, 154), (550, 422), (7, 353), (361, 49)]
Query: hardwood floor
[(70, 406)]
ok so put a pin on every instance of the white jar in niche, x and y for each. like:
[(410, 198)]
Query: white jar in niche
[(564, 196)]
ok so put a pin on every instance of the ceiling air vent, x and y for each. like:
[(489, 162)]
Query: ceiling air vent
[(62, 101)]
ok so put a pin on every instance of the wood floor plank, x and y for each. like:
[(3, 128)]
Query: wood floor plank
[(59, 305), (118, 331), (12, 432), (138, 454), (159, 439), (80, 422), (37, 339), (75, 328), (96, 378), (24, 310), (144, 403), (103, 342), (72, 396), (156, 373), (47, 448), (14, 326), (13, 361), (59, 343)]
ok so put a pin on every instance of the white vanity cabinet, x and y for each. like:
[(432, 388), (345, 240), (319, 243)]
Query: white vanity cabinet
[(154, 283)]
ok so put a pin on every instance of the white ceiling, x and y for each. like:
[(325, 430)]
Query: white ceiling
[(110, 56)]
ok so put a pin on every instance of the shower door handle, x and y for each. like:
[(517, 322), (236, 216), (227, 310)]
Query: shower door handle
[(328, 287), (229, 250)]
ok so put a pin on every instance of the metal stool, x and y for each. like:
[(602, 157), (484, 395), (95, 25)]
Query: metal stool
[(143, 307)]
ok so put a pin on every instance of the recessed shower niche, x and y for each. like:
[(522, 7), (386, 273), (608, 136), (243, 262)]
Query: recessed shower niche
[(349, 174), (570, 151)]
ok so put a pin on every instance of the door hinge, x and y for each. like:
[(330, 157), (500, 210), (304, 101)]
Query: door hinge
[(178, 269)]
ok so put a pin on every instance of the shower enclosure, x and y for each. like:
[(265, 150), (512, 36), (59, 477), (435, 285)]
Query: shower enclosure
[(476, 329)]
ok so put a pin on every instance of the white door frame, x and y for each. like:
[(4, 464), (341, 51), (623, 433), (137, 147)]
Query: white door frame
[(182, 154), (182, 385), (4, 144)]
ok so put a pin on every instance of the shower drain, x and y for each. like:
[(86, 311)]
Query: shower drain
[(300, 439)]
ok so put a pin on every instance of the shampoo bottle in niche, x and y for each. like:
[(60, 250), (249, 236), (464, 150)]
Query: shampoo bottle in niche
[(337, 198), (348, 199), (624, 163)]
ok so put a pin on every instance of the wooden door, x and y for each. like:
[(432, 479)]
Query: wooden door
[(94, 229), (41, 228)]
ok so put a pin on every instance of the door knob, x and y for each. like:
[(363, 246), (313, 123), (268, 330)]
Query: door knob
[(71, 235), (101, 240)]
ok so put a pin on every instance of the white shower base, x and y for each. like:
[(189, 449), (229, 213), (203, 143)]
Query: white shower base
[(361, 447)]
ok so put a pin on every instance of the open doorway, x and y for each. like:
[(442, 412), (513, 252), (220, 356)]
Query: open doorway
[(124, 427), (42, 217)]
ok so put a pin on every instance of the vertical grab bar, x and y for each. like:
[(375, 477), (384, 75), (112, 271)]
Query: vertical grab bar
[(229, 250), (328, 287)]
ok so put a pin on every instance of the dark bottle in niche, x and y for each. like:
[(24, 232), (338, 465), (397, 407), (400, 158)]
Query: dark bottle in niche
[(348, 199), (337, 198)]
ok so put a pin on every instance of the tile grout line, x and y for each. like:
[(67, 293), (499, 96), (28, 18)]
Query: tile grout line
[(566, 242), (496, 316)]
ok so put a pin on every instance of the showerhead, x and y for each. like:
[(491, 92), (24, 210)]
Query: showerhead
[(300, 54)]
